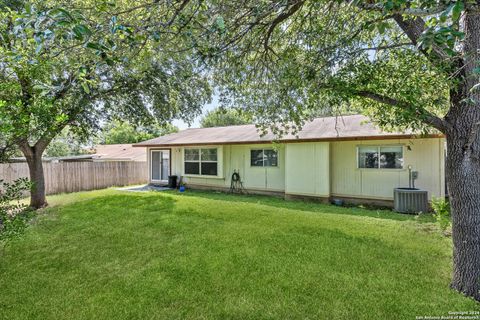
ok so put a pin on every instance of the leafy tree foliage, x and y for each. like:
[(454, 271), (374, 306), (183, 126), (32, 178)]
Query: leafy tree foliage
[(65, 144), (59, 148), (74, 67), (288, 61), (118, 132), (220, 117), (13, 214)]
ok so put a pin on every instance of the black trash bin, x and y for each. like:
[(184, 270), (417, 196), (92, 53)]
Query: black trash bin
[(172, 182)]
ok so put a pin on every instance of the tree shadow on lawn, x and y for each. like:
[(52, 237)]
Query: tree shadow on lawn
[(305, 205), (113, 209), (147, 202)]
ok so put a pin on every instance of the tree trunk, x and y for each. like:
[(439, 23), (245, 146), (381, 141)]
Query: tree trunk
[(37, 192), (463, 179), (463, 163), (33, 156)]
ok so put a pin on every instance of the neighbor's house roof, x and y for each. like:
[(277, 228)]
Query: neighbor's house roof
[(354, 127), (103, 152), (118, 152), (77, 158)]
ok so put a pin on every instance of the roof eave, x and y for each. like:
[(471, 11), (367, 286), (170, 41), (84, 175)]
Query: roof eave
[(378, 137)]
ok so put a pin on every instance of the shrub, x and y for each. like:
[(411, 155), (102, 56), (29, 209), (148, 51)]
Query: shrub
[(13, 214), (441, 208)]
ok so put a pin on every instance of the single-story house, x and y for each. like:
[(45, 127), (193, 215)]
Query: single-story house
[(345, 157)]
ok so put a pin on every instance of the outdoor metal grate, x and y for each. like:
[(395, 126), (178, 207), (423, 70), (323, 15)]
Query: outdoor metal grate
[(410, 200)]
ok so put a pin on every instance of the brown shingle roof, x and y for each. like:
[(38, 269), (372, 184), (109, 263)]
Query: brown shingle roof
[(120, 152), (354, 127)]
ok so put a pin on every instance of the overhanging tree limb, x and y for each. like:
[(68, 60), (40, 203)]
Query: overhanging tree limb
[(284, 15), (427, 117), (414, 28)]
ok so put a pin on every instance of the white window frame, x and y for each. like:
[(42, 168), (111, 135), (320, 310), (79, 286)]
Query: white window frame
[(199, 161), (263, 164), (378, 150)]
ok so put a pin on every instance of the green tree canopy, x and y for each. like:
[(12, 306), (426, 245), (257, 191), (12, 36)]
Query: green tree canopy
[(117, 132), (220, 117), (77, 63), (65, 144), (289, 61)]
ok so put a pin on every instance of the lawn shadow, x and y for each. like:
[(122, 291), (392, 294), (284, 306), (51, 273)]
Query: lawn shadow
[(146, 201), (115, 206), (305, 205)]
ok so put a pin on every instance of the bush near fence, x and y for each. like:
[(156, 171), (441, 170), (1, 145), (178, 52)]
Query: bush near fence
[(65, 177)]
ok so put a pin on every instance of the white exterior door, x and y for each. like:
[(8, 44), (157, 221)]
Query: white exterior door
[(159, 165)]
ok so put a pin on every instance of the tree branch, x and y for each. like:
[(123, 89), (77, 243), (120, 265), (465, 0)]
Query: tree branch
[(414, 28), (25, 147), (25, 85), (65, 86), (427, 117), (42, 144), (284, 15), (177, 12)]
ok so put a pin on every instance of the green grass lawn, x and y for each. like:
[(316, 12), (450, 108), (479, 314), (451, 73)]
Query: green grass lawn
[(119, 255)]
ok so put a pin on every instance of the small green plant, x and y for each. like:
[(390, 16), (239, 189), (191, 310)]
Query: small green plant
[(441, 208), (13, 214)]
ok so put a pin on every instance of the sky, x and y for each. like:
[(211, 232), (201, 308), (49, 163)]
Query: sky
[(196, 124)]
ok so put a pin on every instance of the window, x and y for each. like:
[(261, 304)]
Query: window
[(192, 161), (201, 161), (263, 158), (385, 157), (391, 157), (368, 157)]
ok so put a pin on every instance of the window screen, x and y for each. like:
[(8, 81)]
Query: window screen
[(201, 161), (391, 157), (263, 158), (376, 157)]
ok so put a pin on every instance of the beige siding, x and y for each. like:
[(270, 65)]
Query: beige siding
[(237, 157), (424, 155), (325, 168), (307, 169)]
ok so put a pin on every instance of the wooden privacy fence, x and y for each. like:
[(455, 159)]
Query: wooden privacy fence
[(81, 176)]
